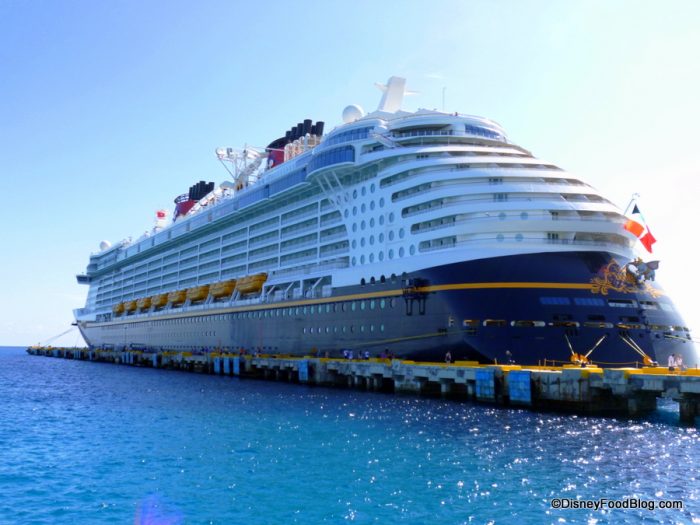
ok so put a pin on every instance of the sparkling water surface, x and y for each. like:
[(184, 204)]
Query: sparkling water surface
[(96, 443)]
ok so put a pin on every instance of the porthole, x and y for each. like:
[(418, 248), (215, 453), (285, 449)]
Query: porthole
[(381, 237), (362, 328), (371, 257), (402, 233), (524, 215), (312, 330), (381, 220), (382, 304), (371, 240), (354, 226), (381, 202), (392, 302), (354, 244), (362, 305), (363, 225), (371, 205), (304, 310), (391, 235), (354, 194), (371, 222), (354, 261), (371, 328), (372, 187), (381, 256), (362, 259), (372, 304), (401, 252), (391, 254), (364, 191), (304, 330), (345, 329), (362, 242), (353, 306), (391, 217), (502, 216), (347, 213), (519, 237), (354, 210), (363, 208), (499, 237), (312, 309)]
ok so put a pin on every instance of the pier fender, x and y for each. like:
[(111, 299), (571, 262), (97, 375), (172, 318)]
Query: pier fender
[(485, 384), (303, 368), (520, 387), (217, 365), (236, 366), (155, 360), (227, 366)]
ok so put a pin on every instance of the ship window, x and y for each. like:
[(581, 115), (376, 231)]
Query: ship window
[(402, 233), (353, 306), (519, 237), (313, 310), (666, 307), (392, 302), (470, 323), (622, 303), (371, 257), (347, 213), (371, 205), (354, 261), (304, 330), (555, 300), (528, 324), (401, 252), (354, 226), (363, 208), (345, 328), (362, 242), (372, 304), (362, 328), (588, 301), (354, 210), (362, 259), (495, 322), (597, 324), (352, 329), (371, 239), (499, 237), (381, 202), (381, 220), (371, 222), (354, 194), (648, 305), (381, 327), (391, 216)]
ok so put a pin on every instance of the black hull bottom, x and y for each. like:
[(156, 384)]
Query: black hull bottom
[(524, 308)]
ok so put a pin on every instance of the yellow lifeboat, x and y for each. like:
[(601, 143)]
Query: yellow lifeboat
[(198, 293), (118, 308), (251, 283), (144, 303), (130, 306), (222, 289), (177, 297), (159, 300)]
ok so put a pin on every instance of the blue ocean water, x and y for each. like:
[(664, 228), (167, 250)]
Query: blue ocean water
[(97, 443)]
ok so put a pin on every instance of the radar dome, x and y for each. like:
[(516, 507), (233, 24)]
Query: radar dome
[(352, 113), (104, 245)]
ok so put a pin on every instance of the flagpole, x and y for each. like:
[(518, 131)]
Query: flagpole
[(635, 196)]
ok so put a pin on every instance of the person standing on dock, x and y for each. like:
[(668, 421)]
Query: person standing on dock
[(672, 362), (448, 357)]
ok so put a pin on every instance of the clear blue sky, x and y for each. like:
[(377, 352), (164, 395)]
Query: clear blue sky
[(108, 110)]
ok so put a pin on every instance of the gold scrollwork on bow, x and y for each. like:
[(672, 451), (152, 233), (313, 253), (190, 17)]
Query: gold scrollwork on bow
[(617, 278)]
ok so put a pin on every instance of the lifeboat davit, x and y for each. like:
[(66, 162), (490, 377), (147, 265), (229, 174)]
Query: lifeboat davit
[(251, 283)]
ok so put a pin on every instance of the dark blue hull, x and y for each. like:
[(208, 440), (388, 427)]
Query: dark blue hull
[(529, 309)]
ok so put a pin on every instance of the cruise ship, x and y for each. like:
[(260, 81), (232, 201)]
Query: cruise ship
[(397, 233)]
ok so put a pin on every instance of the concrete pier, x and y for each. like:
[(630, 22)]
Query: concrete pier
[(631, 391)]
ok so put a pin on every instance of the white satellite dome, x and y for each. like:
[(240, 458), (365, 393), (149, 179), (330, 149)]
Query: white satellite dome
[(105, 245), (352, 113)]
